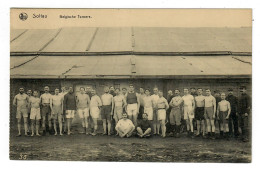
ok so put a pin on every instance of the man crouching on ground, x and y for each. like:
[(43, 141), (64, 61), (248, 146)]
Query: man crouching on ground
[(125, 127), (144, 127)]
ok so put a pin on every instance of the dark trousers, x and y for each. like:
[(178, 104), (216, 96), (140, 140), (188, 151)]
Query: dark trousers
[(233, 121), (244, 125), (141, 112)]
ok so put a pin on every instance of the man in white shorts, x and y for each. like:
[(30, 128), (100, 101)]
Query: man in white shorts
[(95, 105), (148, 105), (188, 109), (46, 110), (21, 102), (162, 106), (69, 105), (35, 114), (57, 110), (125, 127), (120, 103), (133, 104), (156, 123), (83, 102), (210, 110)]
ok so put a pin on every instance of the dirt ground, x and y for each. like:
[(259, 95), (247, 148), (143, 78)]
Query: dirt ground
[(81, 147)]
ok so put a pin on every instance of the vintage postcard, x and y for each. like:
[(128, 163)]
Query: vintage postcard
[(131, 85)]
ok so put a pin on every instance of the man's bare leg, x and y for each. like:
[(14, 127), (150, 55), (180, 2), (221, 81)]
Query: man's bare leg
[(198, 127), (158, 124), (212, 125), (140, 132), (108, 127), (135, 119), (25, 121), (162, 123), (43, 123), (86, 124), (154, 127), (68, 125), (147, 132), (19, 126), (49, 121), (191, 125), (130, 132), (60, 124), (55, 126), (208, 125), (188, 125), (104, 126), (95, 127), (32, 126), (203, 127), (37, 127)]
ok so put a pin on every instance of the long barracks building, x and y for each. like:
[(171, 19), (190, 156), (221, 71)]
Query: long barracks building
[(169, 58)]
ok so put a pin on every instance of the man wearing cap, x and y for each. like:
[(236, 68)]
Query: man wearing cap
[(244, 106), (233, 119)]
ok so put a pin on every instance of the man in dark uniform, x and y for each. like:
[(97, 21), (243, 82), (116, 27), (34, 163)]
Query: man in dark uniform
[(141, 109), (233, 119), (244, 106)]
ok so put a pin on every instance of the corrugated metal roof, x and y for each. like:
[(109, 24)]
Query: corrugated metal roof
[(191, 65), (71, 40), (19, 60), (112, 39), (133, 39), (58, 66), (15, 33), (192, 39), (145, 66)]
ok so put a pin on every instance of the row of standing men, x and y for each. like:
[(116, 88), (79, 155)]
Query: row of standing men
[(192, 106)]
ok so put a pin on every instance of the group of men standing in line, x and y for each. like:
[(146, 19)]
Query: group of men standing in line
[(147, 114)]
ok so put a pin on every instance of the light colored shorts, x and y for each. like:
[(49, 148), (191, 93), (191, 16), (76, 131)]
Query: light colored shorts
[(70, 114), (21, 113), (56, 110), (188, 112), (83, 113), (132, 109), (35, 114), (175, 116), (118, 112), (149, 111), (94, 112), (161, 115)]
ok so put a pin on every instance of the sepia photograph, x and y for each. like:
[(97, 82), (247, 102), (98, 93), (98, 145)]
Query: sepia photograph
[(131, 85)]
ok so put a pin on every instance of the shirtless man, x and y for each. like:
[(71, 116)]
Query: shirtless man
[(95, 105), (29, 93), (199, 112), (209, 113), (119, 105), (21, 101), (56, 105), (156, 124), (35, 112), (141, 96), (162, 106), (83, 101), (46, 110), (188, 109), (107, 110), (148, 105), (175, 114), (133, 104), (223, 112)]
